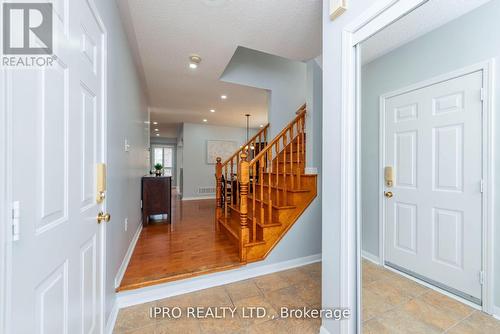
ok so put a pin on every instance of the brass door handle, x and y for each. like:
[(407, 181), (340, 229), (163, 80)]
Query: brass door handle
[(388, 194), (103, 217)]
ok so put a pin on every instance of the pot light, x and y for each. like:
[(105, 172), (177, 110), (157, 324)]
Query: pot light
[(157, 135), (157, 130), (205, 120), (223, 97), (212, 110), (262, 125), (155, 123), (194, 61)]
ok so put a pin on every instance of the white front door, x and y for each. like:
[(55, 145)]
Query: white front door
[(433, 141), (58, 138)]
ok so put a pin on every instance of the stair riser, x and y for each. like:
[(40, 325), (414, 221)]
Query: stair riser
[(281, 197), (306, 181), (277, 214)]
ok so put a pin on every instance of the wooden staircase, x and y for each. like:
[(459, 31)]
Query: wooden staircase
[(262, 189)]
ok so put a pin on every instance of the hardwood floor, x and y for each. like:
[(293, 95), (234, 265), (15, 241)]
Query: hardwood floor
[(188, 247)]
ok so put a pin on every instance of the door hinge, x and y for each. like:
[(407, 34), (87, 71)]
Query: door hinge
[(15, 221), (481, 185), (482, 94), (481, 277)]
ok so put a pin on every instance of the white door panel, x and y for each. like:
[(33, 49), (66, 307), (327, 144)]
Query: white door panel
[(433, 222), (58, 138)]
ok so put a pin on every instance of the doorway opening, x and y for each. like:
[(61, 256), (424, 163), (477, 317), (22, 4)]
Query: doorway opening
[(422, 137)]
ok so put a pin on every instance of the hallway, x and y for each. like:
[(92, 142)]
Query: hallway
[(188, 247)]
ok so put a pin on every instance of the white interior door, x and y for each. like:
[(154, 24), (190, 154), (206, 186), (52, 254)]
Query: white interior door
[(58, 138), (433, 140)]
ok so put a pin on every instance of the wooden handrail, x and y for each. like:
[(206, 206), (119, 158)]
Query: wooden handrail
[(300, 113), (243, 148)]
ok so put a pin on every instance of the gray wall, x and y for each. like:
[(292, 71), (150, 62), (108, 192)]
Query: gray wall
[(127, 112), (470, 39), (286, 79), (314, 118), (197, 173)]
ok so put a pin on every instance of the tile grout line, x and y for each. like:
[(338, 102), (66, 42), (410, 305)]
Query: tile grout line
[(460, 322)]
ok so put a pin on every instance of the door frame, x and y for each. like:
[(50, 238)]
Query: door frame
[(487, 143), (104, 136), (379, 15)]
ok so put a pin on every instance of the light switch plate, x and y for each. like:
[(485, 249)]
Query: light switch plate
[(127, 146)]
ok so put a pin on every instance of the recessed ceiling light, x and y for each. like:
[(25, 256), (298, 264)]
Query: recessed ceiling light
[(224, 97), (194, 61), (155, 123), (205, 120), (157, 130), (262, 125), (212, 110), (157, 135)]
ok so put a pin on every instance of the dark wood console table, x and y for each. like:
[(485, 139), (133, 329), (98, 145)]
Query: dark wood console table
[(156, 197)]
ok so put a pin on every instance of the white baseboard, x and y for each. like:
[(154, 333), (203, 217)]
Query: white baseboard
[(110, 324), (128, 255), (370, 257), (197, 198), (496, 312), (323, 330), (160, 291)]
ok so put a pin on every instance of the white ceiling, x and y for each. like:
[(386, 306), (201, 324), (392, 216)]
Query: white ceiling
[(424, 19), (164, 33)]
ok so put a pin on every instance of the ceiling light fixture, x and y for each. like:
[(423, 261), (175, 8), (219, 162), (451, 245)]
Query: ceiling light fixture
[(194, 61), (157, 135), (155, 123), (262, 125), (223, 97), (212, 110), (157, 130), (205, 120)]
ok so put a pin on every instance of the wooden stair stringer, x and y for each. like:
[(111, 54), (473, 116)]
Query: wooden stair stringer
[(260, 252)]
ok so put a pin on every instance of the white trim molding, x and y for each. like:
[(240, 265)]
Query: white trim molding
[(381, 14), (128, 255), (487, 68), (160, 291), (371, 257)]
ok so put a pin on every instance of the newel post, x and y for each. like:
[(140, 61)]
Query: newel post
[(218, 192), (244, 185)]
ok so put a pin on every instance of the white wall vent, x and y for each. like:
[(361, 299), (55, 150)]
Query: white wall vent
[(206, 190)]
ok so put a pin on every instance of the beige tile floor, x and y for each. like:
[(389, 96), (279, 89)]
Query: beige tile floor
[(391, 304), (296, 287)]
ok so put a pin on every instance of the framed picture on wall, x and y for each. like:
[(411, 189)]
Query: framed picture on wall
[(337, 8), (220, 148)]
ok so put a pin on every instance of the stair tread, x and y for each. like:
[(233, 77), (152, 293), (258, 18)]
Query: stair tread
[(290, 173)]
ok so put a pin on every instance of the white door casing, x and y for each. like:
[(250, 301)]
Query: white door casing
[(58, 138), (433, 224)]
